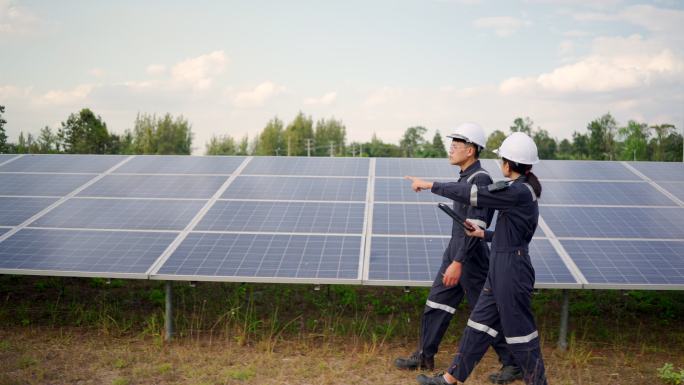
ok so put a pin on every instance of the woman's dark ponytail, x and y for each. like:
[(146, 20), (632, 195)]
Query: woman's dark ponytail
[(534, 182), (526, 170)]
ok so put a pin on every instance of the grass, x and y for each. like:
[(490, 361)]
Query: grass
[(66, 330)]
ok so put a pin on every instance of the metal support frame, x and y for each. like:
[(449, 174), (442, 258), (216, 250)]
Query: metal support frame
[(565, 310), (168, 318)]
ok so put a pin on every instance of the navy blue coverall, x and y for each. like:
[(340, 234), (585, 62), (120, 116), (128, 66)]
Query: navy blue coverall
[(473, 253), (504, 306)]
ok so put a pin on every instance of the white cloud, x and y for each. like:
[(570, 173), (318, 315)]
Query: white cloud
[(15, 19), (381, 96), (502, 25), (615, 64), (10, 92), (575, 33), (566, 47), (97, 72), (324, 100), (66, 97), (155, 69), (257, 96), (199, 72)]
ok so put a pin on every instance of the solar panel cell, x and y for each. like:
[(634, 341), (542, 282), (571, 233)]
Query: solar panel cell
[(315, 166), (14, 211), (237, 257), (155, 186), (181, 164), (601, 193), (41, 184), (78, 253), (286, 217), (295, 188), (121, 214), (63, 163)]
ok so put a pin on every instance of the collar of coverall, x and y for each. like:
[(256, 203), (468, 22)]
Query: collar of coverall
[(470, 169)]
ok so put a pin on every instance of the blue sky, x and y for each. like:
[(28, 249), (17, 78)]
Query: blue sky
[(380, 66)]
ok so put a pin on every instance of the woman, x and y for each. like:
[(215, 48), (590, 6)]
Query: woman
[(505, 303)]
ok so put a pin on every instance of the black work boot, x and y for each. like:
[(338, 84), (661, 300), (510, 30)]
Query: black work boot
[(507, 374), (438, 379), (415, 361)]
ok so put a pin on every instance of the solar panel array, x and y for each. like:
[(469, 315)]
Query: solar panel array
[(321, 220)]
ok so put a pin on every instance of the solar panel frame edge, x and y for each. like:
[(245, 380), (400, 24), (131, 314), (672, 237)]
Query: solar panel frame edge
[(76, 274)]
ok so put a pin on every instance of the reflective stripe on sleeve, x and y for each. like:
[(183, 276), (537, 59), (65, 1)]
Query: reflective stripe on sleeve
[(534, 196), (439, 306), (523, 339), (473, 196), (482, 328), (478, 222)]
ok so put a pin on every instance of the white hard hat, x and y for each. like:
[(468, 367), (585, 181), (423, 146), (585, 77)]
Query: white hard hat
[(470, 133), (520, 148)]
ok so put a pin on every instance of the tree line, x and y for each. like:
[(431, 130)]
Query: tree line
[(85, 132)]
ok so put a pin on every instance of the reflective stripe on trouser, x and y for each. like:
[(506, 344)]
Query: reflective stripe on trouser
[(504, 307), (442, 300)]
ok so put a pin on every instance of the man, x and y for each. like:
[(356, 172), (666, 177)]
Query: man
[(464, 264)]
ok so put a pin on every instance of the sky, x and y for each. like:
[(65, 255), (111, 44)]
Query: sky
[(379, 66)]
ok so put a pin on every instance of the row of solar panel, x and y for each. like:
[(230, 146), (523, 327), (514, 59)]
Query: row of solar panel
[(320, 217), (204, 255), (634, 193), (350, 167), (324, 259)]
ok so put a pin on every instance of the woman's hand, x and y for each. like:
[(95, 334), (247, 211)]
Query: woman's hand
[(418, 184)]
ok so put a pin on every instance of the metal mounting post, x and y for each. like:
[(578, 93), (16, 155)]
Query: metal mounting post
[(565, 309), (168, 318)]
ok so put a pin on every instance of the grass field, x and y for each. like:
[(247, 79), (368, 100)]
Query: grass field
[(88, 331)]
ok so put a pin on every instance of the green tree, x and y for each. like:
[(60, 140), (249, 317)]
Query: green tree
[(326, 132), (165, 136), (243, 146), (546, 145), (564, 149), (435, 149), (635, 144), (657, 148), (377, 148), (672, 147), (47, 141), (522, 125), (580, 146), (296, 134), (84, 133), (602, 143), (494, 141), (224, 145), (271, 139), (412, 142), (22, 148), (3, 135)]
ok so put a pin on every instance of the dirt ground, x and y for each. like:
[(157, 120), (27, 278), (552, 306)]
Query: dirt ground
[(42, 355)]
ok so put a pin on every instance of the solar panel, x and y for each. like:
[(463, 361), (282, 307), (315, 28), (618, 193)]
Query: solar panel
[(82, 253), (674, 188), (181, 164), (583, 170), (286, 217), (410, 220), (399, 190), (615, 222), (155, 186), (405, 260), (661, 171), (409, 261), (265, 257), (493, 167), (14, 211), (121, 214), (41, 184), (629, 263), (297, 188), (6, 157), (601, 193), (314, 166), (63, 163), (400, 167)]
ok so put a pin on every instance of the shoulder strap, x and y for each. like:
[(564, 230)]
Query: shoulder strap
[(534, 196), (470, 178)]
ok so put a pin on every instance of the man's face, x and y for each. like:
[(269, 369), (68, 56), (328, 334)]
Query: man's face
[(458, 152)]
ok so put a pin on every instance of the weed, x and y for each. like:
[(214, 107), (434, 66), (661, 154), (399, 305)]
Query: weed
[(242, 374), (120, 363), (120, 381), (669, 376), (164, 368)]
